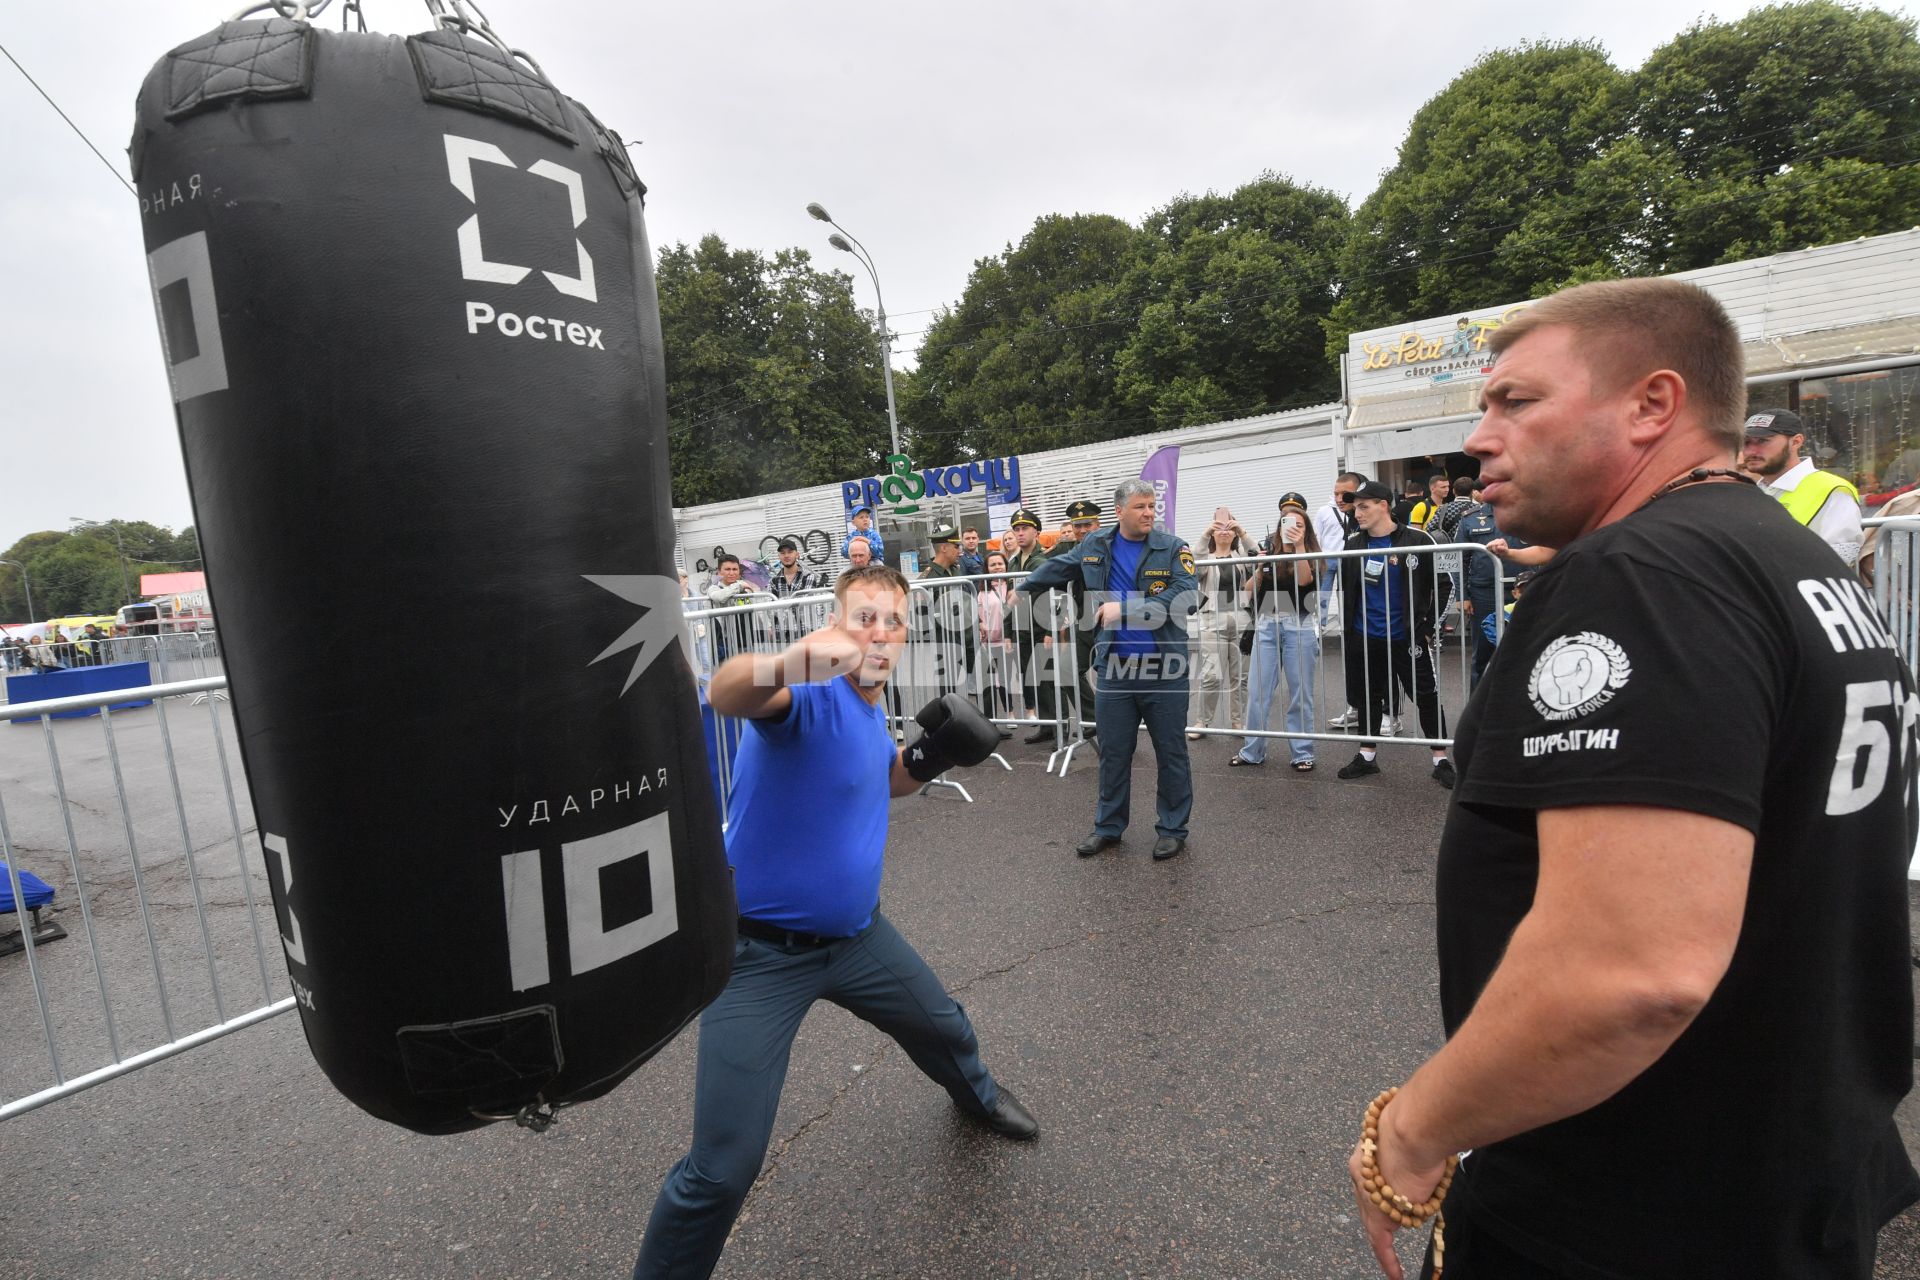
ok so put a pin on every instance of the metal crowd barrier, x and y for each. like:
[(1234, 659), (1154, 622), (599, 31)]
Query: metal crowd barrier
[(1041, 655), (181, 655), (1351, 686), (177, 943), (1894, 574)]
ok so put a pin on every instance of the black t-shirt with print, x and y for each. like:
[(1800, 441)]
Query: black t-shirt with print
[(1706, 654)]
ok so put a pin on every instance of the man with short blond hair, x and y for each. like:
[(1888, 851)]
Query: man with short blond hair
[(1671, 901)]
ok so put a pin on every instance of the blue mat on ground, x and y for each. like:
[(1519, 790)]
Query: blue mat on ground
[(37, 891)]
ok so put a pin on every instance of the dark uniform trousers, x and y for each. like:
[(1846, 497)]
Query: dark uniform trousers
[(1044, 673), (1120, 709), (745, 1038)]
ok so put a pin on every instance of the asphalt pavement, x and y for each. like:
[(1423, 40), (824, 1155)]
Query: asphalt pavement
[(1198, 1039)]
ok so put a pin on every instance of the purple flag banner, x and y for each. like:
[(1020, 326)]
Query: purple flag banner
[(1162, 471)]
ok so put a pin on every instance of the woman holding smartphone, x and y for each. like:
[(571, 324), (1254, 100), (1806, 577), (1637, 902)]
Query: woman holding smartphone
[(1286, 635)]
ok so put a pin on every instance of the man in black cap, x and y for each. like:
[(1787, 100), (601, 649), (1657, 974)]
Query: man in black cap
[(1822, 501), (1390, 601), (946, 553), (1083, 519), (950, 614), (787, 580), (1030, 637), (791, 578)]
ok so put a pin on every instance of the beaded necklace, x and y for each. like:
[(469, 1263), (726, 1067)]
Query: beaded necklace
[(1699, 475)]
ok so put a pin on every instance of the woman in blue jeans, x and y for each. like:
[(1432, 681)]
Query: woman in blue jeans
[(1286, 636)]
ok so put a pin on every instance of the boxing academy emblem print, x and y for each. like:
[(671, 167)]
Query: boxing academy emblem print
[(1577, 675)]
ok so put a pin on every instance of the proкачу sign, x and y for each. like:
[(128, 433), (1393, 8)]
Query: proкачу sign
[(901, 491)]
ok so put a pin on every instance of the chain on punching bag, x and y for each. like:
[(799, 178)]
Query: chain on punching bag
[(407, 307)]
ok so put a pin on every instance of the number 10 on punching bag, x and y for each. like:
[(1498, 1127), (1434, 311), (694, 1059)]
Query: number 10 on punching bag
[(406, 302)]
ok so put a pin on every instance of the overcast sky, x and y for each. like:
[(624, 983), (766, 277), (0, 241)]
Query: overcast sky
[(934, 133)]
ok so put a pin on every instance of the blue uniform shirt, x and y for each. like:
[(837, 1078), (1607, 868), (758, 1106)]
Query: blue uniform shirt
[(808, 821), (1123, 584), (1157, 598), (1386, 604)]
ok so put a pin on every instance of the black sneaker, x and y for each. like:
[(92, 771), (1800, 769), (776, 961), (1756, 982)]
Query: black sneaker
[(1358, 767), (1443, 772)]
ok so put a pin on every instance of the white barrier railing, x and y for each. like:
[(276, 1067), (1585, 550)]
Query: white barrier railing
[(115, 827)]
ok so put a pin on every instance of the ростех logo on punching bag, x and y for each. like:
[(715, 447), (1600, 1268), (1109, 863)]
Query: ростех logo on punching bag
[(462, 154)]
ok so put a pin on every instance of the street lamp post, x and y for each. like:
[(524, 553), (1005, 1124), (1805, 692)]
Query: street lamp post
[(25, 581), (126, 583), (865, 259)]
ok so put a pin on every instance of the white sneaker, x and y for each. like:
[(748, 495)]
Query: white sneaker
[(1390, 727), (1348, 719)]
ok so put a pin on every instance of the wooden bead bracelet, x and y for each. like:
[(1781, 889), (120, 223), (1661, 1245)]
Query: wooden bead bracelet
[(1390, 1202)]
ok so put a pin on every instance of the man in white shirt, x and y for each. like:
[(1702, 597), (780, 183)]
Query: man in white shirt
[(1332, 524), (1820, 500)]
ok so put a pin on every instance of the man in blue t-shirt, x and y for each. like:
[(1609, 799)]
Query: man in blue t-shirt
[(806, 828), (1391, 607)]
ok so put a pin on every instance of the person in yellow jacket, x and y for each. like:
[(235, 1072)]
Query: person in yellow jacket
[(1820, 500)]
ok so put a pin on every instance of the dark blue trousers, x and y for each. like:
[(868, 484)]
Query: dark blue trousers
[(1119, 710), (745, 1038)]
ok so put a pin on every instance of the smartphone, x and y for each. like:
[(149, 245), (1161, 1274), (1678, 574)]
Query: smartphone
[(1223, 517)]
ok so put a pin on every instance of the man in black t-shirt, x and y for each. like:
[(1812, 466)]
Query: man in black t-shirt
[(1671, 896), (1412, 493)]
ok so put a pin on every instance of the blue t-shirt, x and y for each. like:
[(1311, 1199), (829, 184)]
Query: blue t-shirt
[(808, 821), (1386, 591), (1127, 641)]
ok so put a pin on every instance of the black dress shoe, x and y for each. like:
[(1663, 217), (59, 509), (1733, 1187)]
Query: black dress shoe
[(1011, 1119), (1041, 734), (1005, 732), (1167, 847), (1094, 844)]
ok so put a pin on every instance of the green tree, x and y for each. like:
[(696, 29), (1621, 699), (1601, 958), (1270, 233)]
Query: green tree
[(76, 575), (185, 550), (1232, 293), (773, 375), (1026, 359), (1795, 125), (79, 570), (1519, 175)]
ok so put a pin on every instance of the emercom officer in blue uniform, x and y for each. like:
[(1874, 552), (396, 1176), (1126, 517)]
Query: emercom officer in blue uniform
[(807, 826), (1140, 583)]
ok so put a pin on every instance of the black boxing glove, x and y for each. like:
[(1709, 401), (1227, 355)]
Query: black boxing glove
[(956, 734)]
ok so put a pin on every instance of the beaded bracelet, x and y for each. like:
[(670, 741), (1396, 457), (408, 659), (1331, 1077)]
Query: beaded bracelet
[(1403, 1211)]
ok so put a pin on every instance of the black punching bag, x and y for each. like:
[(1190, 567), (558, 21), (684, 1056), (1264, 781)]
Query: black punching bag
[(407, 307)]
